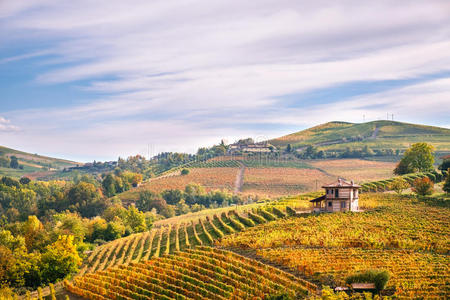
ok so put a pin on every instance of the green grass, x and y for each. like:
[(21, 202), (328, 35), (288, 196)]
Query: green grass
[(32, 163), (390, 134)]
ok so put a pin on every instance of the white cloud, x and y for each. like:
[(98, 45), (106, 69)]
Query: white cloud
[(6, 126), (187, 73)]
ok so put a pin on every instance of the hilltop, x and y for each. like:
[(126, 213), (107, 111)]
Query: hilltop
[(32, 165), (375, 134)]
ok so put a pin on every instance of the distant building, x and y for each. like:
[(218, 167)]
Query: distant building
[(339, 196), (253, 148)]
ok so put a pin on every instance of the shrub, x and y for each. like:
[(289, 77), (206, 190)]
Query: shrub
[(256, 218), (379, 278), (423, 186), (278, 212), (446, 186), (290, 211), (431, 176), (184, 171), (398, 185), (267, 215), (246, 221)]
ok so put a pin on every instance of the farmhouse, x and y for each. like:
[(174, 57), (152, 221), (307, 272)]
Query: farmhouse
[(339, 196), (256, 148)]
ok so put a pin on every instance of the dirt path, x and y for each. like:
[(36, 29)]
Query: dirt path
[(375, 132), (239, 179)]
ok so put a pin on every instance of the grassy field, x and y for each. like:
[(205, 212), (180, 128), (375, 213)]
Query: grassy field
[(389, 134), (33, 163), (406, 237)]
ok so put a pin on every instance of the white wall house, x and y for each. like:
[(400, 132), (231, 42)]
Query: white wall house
[(339, 196)]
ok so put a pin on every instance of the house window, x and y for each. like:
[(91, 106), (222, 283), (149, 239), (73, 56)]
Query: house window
[(342, 204), (336, 193), (330, 204)]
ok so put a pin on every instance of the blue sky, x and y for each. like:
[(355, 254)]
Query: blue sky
[(89, 80)]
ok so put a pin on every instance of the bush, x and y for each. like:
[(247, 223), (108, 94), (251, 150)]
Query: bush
[(184, 171), (267, 215), (278, 212), (446, 186), (431, 176), (290, 211), (379, 278), (398, 185), (423, 186)]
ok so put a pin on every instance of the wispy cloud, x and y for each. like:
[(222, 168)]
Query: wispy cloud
[(221, 68), (6, 126)]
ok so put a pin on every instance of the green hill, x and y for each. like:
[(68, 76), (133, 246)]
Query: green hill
[(30, 164), (375, 134)]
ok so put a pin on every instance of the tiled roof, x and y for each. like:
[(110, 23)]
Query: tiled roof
[(318, 199), (341, 183)]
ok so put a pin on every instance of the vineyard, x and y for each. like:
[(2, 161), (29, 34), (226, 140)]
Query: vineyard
[(360, 169), (184, 234), (210, 178), (282, 181), (202, 273), (407, 237), (414, 274)]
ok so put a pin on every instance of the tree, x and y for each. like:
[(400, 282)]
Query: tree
[(4, 162), (398, 185), (84, 198), (60, 259), (446, 186), (135, 219), (172, 197), (24, 180), (109, 185), (288, 148), (194, 193), (148, 200), (445, 164), (14, 162), (423, 186), (185, 171), (418, 158)]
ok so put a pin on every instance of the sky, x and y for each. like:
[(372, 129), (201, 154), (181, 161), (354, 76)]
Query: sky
[(87, 80)]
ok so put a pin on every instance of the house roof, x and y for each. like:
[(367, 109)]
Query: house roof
[(341, 183), (318, 199)]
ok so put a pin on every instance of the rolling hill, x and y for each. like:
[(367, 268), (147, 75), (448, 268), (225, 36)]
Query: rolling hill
[(375, 134), (32, 165)]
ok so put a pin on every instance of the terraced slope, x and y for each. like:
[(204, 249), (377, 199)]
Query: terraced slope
[(178, 236), (408, 238), (202, 273)]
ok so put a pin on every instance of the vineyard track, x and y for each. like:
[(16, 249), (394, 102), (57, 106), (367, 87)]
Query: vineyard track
[(239, 179)]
